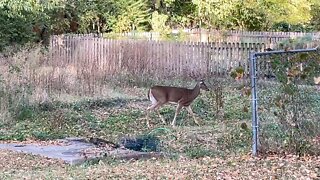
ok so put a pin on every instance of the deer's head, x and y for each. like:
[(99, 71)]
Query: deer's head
[(203, 86)]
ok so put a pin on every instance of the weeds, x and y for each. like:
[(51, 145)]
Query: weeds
[(33, 105), (293, 104), (198, 152), (236, 138)]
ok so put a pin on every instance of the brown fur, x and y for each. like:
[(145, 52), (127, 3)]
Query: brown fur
[(182, 96)]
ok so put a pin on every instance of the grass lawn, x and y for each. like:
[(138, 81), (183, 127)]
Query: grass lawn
[(217, 149)]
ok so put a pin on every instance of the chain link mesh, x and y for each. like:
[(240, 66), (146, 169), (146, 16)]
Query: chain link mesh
[(288, 99)]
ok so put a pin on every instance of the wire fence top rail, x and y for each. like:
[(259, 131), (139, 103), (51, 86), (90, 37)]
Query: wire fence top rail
[(284, 51)]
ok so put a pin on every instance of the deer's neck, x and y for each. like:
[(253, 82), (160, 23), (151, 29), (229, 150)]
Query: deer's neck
[(195, 91)]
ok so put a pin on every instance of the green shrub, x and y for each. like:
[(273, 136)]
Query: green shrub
[(198, 152), (235, 139)]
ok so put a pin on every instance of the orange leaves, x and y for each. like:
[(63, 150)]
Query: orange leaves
[(237, 73), (230, 167)]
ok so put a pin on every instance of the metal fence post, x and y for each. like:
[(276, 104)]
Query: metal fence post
[(253, 75)]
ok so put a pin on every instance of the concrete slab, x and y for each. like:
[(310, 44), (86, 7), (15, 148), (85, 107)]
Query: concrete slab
[(70, 153), (76, 151)]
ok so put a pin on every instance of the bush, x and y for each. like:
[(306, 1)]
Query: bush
[(235, 139), (17, 89), (290, 109)]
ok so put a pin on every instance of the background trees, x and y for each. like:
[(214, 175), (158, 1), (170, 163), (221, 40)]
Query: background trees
[(33, 20)]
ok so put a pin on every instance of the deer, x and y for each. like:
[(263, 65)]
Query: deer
[(183, 97)]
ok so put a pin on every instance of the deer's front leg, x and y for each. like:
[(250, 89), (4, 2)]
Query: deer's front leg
[(178, 109), (193, 115)]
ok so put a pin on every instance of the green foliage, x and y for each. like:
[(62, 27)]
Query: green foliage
[(94, 16), (158, 22), (181, 14), (234, 106), (23, 113), (65, 120), (296, 43), (294, 104), (235, 139), (133, 16), (248, 17), (199, 152), (301, 68), (177, 36), (315, 21), (286, 27), (236, 14), (29, 20), (117, 122)]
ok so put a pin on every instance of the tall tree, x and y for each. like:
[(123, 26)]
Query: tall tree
[(315, 12), (22, 20), (134, 15)]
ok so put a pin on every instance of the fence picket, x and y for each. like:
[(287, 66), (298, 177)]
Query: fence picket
[(103, 57)]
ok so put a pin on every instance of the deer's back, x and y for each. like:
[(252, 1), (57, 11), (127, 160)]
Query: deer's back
[(170, 94)]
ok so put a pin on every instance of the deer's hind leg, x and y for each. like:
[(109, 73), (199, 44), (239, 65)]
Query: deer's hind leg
[(155, 107)]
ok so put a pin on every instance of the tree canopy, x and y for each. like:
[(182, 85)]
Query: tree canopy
[(25, 20)]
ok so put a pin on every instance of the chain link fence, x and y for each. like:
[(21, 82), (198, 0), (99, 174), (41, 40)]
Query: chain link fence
[(286, 101)]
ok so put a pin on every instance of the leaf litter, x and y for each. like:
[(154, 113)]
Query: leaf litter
[(19, 165)]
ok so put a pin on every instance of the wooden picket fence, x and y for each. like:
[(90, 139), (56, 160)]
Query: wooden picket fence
[(157, 58), (88, 64)]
